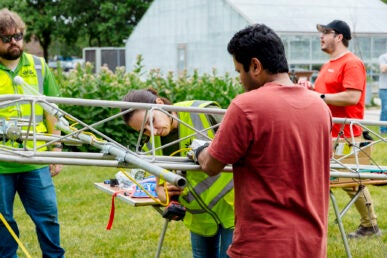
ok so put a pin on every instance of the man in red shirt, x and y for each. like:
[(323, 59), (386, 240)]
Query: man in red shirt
[(341, 83), (277, 136)]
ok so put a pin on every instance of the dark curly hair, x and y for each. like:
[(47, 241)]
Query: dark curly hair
[(261, 42)]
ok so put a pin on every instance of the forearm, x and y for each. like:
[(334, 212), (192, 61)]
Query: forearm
[(209, 164), (383, 68), (345, 98), (50, 123), (57, 147)]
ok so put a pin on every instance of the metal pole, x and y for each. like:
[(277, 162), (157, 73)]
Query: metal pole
[(161, 239), (340, 224)]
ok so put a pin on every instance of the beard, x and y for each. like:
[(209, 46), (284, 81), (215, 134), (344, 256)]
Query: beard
[(328, 47), (12, 53)]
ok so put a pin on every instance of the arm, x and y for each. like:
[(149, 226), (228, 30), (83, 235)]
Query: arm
[(50, 123), (172, 191), (344, 98), (230, 143), (344, 88), (209, 164), (51, 89)]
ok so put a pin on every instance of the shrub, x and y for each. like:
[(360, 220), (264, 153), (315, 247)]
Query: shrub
[(107, 85)]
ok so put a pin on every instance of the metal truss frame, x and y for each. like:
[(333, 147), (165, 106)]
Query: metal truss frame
[(114, 154)]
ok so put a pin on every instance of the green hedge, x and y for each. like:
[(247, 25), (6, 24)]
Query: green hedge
[(108, 85)]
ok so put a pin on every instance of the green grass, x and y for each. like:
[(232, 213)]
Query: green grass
[(369, 247), (84, 213)]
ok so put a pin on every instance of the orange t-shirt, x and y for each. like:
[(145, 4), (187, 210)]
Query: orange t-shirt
[(346, 72)]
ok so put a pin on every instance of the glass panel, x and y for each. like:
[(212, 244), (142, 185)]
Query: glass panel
[(362, 47), (299, 49), (380, 47)]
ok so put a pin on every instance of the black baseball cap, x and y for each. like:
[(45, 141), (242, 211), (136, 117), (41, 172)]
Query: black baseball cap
[(339, 26)]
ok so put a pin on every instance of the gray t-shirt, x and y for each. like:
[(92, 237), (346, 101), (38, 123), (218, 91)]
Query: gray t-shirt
[(383, 76)]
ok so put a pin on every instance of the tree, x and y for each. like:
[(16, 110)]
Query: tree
[(38, 17), (104, 23), (100, 22)]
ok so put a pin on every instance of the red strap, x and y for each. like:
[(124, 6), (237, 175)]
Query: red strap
[(110, 223)]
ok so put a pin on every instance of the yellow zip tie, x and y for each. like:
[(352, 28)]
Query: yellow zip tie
[(14, 236)]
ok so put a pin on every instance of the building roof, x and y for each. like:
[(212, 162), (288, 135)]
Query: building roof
[(363, 16)]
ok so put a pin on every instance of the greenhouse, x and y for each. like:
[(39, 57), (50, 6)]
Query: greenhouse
[(187, 35)]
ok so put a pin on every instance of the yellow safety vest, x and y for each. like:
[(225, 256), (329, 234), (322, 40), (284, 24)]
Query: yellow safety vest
[(33, 75), (209, 201)]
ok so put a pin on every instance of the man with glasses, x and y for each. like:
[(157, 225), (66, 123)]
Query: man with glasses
[(341, 84), (32, 182)]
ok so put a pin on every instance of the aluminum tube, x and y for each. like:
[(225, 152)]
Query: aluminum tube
[(153, 169), (46, 138), (115, 163), (110, 103), (64, 161), (123, 104), (359, 175), (338, 120), (355, 167), (83, 160), (62, 154)]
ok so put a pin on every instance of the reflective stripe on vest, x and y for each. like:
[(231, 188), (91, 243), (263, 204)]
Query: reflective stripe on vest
[(189, 197), (39, 72), (201, 187), (204, 185), (195, 117)]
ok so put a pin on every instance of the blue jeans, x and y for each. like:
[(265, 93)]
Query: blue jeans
[(383, 113), (211, 247), (37, 194)]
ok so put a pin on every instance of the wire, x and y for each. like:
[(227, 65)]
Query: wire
[(197, 197), (142, 188), (14, 236), (178, 151), (164, 185)]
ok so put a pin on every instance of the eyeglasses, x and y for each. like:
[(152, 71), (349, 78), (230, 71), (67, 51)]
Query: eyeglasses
[(8, 38), (327, 31)]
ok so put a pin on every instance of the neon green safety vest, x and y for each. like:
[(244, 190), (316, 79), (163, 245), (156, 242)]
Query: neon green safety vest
[(209, 201), (33, 75)]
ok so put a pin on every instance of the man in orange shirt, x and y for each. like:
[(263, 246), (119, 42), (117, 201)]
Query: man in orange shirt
[(341, 83)]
